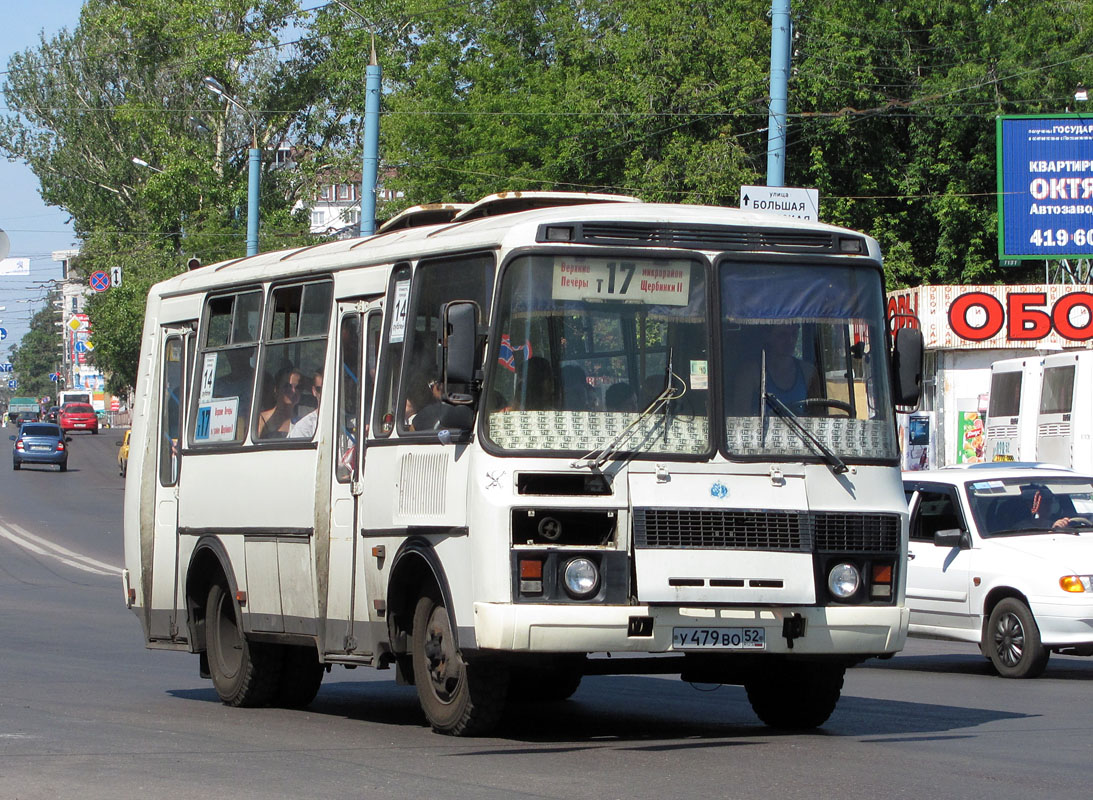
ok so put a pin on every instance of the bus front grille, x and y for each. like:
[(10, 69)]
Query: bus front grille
[(875, 533), (714, 529), (738, 529)]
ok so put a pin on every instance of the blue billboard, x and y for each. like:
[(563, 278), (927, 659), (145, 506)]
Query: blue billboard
[(1045, 186)]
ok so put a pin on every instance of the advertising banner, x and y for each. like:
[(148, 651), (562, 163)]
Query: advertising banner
[(1045, 187)]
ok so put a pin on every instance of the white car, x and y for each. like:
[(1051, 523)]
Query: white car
[(1002, 555)]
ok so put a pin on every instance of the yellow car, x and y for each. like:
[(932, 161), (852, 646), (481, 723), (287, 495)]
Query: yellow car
[(123, 454)]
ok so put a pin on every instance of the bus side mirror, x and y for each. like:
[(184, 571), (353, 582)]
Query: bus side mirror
[(460, 345), (907, 354)]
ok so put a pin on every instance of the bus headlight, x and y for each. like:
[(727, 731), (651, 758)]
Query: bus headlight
[(843, 581), (581, 578)]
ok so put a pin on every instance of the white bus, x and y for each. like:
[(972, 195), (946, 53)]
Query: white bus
[(1012, 409), (1064, 424), (489, 450)]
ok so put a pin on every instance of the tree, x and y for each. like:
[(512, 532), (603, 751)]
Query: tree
[(38, 354), (127, 83)]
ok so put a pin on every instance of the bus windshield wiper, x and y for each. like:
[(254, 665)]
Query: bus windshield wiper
[(597, 458), (793, 421)]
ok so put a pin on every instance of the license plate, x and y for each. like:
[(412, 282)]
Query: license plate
[(719, 638), (79, 425), (40, 448)]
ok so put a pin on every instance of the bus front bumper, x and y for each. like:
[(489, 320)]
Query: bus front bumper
[(830, 630)]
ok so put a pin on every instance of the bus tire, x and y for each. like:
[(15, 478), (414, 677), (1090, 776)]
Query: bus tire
[(1013, 641), (795, 695), (458, 698), (244, 673), (301, 677)]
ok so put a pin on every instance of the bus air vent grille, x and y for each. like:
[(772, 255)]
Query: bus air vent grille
[(715, 529), (875, 533), (705, 237), (1053, 429), (422, 478)]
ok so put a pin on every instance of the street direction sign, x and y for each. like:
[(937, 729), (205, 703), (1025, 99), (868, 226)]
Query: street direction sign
[(81, 347), (115, 276), (99, 281), (53, 376), (7, 368), (785, 200), (13, 384), (3, 334)]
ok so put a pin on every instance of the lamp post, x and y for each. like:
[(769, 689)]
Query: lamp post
[(140, 162), (214, 86)]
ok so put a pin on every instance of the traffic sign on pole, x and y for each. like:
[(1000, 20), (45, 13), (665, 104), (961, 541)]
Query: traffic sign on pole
[(115, 276), (3, 334), (99, 281), (13, 384)]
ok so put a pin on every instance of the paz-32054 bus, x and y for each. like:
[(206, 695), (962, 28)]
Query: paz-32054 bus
[(488, 449)]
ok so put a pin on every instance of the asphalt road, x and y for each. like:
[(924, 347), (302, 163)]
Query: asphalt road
[(86, 711)]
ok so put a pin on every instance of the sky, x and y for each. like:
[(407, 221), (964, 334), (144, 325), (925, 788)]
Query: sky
[(35, 229)]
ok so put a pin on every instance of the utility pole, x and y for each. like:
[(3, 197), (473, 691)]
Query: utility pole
[(779, 92), (370, 169)]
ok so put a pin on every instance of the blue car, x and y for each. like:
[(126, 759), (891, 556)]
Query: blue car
[(40, 443)]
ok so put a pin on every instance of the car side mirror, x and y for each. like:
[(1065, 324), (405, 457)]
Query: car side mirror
[(68, 438), (952, 537)]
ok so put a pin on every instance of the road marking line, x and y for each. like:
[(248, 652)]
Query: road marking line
[(44, 547)]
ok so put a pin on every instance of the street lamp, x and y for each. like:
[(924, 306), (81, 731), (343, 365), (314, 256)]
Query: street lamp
[(140, 162), (214, 86)]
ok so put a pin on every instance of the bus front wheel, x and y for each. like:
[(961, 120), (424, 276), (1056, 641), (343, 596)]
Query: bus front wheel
[(458, 698), (244, 673), (795, 695)]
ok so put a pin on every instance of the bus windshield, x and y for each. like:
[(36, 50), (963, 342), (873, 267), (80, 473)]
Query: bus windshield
[(586, 343), (804, 362)]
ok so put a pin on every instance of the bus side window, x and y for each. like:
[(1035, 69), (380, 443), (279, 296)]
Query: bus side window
[(224, 369), (293, 355), (390, 368), (437, 281), (169, 441)]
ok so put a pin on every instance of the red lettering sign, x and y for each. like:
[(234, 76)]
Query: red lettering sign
[(990, 309), (1061, 316), (1027, 323), (978, 316)]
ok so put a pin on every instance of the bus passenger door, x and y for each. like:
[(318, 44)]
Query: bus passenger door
[(357, 350), (175, 351)]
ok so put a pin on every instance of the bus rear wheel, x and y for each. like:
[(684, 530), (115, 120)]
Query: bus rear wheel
[(458, 698), (795, 695), (244, 673)]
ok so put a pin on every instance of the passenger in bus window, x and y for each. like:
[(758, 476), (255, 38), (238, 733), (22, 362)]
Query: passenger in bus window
[(535, 386), (577, 395), (304, 427), (620, 397), (423, 405), (275, 422)]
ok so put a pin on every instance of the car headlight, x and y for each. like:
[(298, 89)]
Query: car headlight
[(1076, 583), (581, 578), (843, 581)]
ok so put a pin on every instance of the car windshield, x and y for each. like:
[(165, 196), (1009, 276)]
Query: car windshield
[(40, 430), (78, 408), (1015, 506), (586, 344), (804, 362)]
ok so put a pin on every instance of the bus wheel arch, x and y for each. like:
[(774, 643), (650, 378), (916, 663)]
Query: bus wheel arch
[(209, 564), (415, 570)]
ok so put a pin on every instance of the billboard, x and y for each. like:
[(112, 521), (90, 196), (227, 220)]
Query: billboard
[(1045, 186)]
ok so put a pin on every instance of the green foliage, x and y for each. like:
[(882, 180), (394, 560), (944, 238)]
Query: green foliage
[(891, 115), (38, 354)]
